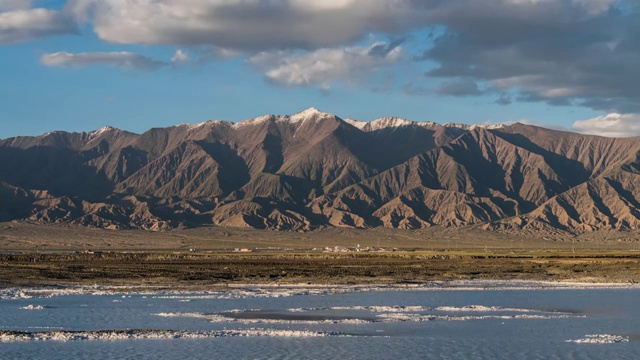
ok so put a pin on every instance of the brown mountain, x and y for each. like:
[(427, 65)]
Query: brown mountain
[(313, 169)]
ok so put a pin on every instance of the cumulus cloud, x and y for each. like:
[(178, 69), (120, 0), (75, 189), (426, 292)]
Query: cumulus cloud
[(613, 125), (180, 56), (325, 66), (124, 60), (256, 25), (19, 23), (248, 25), (563, 52)]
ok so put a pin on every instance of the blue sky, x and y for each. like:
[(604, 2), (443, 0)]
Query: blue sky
[(78, 65)]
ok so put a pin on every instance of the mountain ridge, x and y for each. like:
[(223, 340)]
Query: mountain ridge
[(313, 169)]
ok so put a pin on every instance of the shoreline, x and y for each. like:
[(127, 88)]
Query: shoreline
[(229, 270), (286, 290)]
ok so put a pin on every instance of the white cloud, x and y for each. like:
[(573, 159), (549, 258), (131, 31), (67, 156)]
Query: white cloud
[(325, 66), (563, 52), (180, 56), (612, 125), (257, 25), (124, 60), (22, 24), (221, 53), (252, 25)]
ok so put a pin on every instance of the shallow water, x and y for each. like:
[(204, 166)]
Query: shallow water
[(344, 323)]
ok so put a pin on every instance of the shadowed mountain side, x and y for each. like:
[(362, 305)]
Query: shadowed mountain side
[(609, 201), (477, 168), (385, 148), (60, 171), (120, 164), (16, 202), (422, 207), (596, 154), (490, 165), (113, 139), (191, 170), (320, 152), (274, 188)]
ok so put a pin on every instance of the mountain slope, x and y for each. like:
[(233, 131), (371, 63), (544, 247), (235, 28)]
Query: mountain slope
[(312, 169), (610, 201)]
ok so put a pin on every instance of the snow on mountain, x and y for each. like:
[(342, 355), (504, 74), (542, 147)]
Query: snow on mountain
[(474, 126), (317, 115), (94, 134), (307, 114)]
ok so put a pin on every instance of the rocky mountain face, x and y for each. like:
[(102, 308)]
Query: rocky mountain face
[(312, 170)]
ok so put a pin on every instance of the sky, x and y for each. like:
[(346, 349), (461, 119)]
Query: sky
[(78, 65)]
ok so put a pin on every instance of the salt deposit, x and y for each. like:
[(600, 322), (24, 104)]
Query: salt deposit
[(481, 308), (13, 294), (391, 309), (109, 335), (241, 291), (600, 339), (221, 318), (393, 316), (404, 317)]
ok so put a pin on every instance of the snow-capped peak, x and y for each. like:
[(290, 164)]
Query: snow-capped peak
[(254, 121), (101, 131), (306, 114), (355, 123), (52, 132), (387, 122), (203, 124), (292, 119), (378, 124), (474, 126), (489, 126)]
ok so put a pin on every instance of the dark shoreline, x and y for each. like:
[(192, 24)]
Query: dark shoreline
[(186, 270)]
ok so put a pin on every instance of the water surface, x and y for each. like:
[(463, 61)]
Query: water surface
[(379, 323)]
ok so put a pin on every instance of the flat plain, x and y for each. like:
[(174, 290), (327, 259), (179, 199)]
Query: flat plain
[(209, 257)]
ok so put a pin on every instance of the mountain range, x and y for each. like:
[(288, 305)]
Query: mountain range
[(315, 170)]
